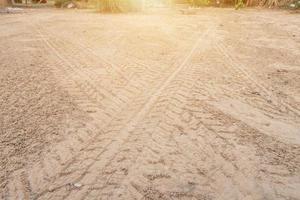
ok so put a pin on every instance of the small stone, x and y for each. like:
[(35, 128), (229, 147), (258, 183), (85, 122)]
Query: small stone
[(255, 93), (269, 101), (77, 185)]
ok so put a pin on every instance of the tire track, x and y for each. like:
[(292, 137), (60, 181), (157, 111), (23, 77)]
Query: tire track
[(217, 144), (131, 125), (71, 86), (271, 99), (155, 133), (218, 128)]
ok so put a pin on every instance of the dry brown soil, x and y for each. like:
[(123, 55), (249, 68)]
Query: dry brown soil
[(150, 105)]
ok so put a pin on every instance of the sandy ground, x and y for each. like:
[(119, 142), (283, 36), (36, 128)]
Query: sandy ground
[(150, 106)]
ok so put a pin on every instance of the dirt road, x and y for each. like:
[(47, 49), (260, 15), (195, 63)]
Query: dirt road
[(150, 106)]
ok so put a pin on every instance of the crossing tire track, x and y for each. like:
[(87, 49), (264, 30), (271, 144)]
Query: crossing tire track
[(133, 123)]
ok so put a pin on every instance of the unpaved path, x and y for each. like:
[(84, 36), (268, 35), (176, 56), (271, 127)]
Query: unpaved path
[(150, 106)]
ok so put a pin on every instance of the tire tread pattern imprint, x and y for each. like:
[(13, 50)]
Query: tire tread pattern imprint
[(150, 134), (79, 83)]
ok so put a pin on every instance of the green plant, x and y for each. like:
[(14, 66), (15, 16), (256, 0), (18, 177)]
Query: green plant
[(239, 4), (119, 5), (294, 5), (197, 3), (60, 3)]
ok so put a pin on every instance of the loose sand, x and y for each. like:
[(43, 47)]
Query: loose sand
[(150, 106)]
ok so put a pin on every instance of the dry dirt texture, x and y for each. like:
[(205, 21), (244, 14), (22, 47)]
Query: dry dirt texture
[(150, 106)]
